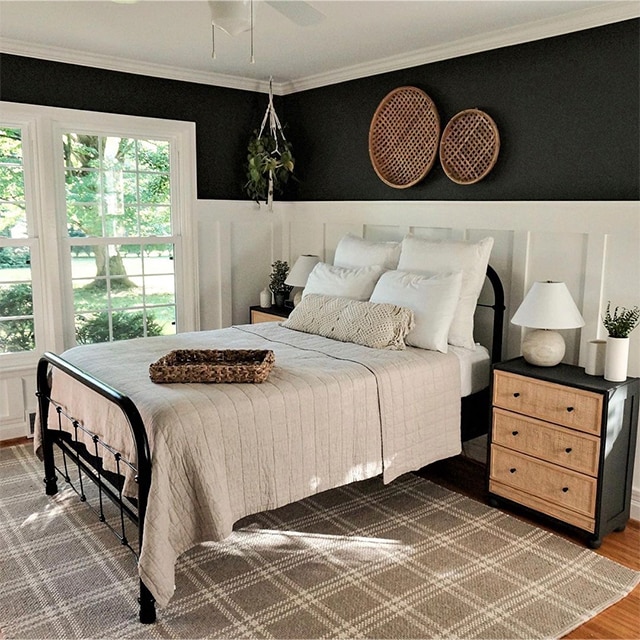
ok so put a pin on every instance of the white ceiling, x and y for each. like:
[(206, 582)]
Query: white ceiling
[(356, 38)]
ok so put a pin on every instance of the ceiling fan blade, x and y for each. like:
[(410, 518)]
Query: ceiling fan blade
[(298, 11)]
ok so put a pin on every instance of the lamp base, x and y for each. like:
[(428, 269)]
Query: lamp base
[(543, 348)]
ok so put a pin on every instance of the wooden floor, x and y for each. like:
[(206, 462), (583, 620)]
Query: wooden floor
[(467, 476)]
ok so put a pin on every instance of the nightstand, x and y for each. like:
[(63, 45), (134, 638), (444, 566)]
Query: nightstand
[(562, 443), (272, 314)]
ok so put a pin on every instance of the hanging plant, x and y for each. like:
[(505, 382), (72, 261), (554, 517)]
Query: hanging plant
[(268, 157)]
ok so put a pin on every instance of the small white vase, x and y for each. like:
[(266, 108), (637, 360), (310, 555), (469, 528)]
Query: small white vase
[(265, 298), (616, 359)]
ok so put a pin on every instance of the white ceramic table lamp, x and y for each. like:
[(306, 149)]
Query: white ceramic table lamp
[(299, 275), (546, 308)]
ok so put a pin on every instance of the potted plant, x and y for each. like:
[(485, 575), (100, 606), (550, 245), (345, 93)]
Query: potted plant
[(618, 325), (270, 162), (279, 273)]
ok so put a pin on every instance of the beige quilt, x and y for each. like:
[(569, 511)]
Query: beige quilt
[(330, 413)]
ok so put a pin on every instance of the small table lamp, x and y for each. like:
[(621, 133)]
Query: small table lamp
[(548, 306), (299, 275)]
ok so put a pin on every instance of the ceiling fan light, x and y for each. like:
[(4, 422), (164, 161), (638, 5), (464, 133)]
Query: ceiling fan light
[(231, 16)]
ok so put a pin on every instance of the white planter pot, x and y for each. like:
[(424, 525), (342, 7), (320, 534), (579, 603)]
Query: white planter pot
[(616, 359)]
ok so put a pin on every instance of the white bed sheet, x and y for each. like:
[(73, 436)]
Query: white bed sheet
[(475, 368)]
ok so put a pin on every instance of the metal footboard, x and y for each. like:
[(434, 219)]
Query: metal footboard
[(89, 460)]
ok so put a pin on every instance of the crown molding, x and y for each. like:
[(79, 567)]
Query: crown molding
[(615, 11), (126, 65)]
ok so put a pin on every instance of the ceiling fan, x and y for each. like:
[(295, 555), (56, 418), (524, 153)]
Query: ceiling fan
[(234, 16), (237, 16)]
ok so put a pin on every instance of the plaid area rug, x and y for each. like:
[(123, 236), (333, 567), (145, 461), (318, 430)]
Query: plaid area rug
[(406, 560)]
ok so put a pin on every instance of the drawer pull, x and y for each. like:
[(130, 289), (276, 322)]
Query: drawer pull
[(512, 470), (568, 449), (569, 409), (514, 433), (565, 489), (516, 394)]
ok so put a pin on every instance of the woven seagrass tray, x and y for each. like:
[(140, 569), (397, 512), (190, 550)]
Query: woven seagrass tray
[(213, 365), (469, 146), (403, 137)]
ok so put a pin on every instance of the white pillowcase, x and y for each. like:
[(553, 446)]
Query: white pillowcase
[(419, 255), (433, 300), (328, 280), (353, 251)]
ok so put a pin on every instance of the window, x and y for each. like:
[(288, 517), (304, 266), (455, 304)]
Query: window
[(97, 241), (17, 330), (118, 214)]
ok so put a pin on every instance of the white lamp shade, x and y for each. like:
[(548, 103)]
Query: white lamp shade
[(300, 271), (232, 16), (548, 305)]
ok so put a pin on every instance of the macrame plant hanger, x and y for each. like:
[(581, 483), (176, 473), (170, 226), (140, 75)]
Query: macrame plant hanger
[(274, 128)]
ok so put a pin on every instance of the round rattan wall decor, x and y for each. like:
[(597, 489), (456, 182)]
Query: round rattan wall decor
[(469, 146), (403, 137)]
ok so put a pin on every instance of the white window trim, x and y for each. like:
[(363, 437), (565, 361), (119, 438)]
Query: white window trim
[(44, 184)]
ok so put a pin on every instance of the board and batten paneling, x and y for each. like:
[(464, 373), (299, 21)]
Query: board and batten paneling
[(592, 246)]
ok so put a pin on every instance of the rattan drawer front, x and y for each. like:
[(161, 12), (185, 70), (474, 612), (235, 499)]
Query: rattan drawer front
[(571, 449), (264, 316), (549, 482), (529, 500), (567, 406)]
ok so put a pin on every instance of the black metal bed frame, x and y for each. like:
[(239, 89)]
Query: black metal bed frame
[(76, 454)]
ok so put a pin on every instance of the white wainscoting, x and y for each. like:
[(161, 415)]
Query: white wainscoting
[(592, 246)]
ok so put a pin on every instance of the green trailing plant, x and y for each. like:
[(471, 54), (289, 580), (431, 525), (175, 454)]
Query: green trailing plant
[(268, 153), (279, 273), (622, 322)]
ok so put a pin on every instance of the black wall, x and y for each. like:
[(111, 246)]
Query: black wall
[(567, 109)]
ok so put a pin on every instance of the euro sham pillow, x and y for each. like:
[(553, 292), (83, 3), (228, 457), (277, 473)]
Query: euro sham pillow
[(433, 300), (379, 326), (353, 252), (329, 280), (423, 256)]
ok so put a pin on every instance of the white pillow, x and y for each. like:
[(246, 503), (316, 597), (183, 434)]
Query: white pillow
[(328, 280), (379, 326), (353, 251), (427, 256), (433, 300)]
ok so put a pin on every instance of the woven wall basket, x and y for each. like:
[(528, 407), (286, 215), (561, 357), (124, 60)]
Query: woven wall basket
[(469, 146), (403, 137)]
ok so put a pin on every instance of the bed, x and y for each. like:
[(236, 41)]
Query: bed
[(186, 461)]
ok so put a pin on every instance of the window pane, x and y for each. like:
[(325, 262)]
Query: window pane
[(17, 335), (155, 221), (16, 306), (164, 318), (12, 181), (10, 146), (16, 295), (13, 217), (15, 264)]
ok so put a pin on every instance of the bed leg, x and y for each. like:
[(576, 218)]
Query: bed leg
[(43, 392), (147, 605)]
